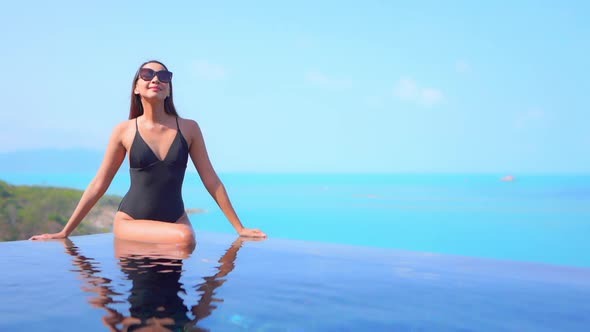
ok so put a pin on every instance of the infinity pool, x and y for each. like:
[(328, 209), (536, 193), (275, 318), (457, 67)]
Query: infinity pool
[(94, 283)]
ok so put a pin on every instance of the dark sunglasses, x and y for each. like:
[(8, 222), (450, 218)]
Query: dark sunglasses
[(148, 74)]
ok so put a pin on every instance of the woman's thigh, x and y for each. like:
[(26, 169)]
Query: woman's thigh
[(142, 230), (127, 248)]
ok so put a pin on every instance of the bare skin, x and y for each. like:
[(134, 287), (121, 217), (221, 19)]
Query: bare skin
[(158, 130), (126, 248)]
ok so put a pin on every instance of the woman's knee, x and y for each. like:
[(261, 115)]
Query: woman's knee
[(185, 234)]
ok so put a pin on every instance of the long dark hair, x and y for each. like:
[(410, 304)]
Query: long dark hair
[(136, 108)]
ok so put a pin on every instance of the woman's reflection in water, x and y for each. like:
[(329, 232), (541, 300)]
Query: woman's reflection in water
[(155, 271)]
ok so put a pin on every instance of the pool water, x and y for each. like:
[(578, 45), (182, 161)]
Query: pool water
[(97, 283)]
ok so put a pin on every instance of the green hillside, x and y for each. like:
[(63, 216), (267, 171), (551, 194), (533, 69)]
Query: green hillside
[(30, 210)]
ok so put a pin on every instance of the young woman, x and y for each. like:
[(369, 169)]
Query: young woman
[(159, 143)]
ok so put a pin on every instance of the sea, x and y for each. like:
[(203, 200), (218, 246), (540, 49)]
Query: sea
[(531, 218)]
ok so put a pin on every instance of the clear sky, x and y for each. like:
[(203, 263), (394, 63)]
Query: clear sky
[(314, 86)]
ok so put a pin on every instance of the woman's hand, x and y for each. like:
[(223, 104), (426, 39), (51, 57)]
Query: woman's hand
[(250, 232), (51, 236)]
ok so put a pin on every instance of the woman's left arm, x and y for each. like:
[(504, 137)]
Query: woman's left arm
[(200, 158)]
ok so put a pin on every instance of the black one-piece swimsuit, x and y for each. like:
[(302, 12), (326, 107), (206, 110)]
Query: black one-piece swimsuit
[(156, 185)]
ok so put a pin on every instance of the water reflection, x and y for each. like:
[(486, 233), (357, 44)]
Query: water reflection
[(154, 300)]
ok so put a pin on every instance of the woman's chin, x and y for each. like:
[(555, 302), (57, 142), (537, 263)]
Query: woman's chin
[(154, 97)]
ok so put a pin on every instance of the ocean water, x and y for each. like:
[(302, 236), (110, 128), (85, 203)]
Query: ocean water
[(536, 218)]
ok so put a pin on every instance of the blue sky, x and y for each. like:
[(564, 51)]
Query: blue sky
[(314, 86)]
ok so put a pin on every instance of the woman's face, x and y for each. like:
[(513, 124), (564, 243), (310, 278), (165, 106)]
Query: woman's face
[(153, 88)]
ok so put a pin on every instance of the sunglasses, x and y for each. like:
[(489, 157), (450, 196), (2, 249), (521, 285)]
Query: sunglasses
[(148, 74)]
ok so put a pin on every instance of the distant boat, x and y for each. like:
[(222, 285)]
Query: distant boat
[(508, 178), (190, 211)]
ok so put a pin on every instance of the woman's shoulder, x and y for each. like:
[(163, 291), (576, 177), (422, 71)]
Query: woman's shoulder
[(187, 124), (123, 127), (126, 124)]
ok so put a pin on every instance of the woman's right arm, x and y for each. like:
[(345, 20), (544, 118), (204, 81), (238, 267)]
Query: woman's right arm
[(114, 156)]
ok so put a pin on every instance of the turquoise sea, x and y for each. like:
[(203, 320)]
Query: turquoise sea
[(535, 218)]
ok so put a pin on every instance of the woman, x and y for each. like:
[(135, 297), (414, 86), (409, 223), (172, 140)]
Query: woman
[(159, 143)]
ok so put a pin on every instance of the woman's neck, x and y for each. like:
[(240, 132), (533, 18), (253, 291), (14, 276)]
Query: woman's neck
[(153, 112)]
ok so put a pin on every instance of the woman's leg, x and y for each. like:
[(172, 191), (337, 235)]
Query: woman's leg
[(126, 228), (127, 248)]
